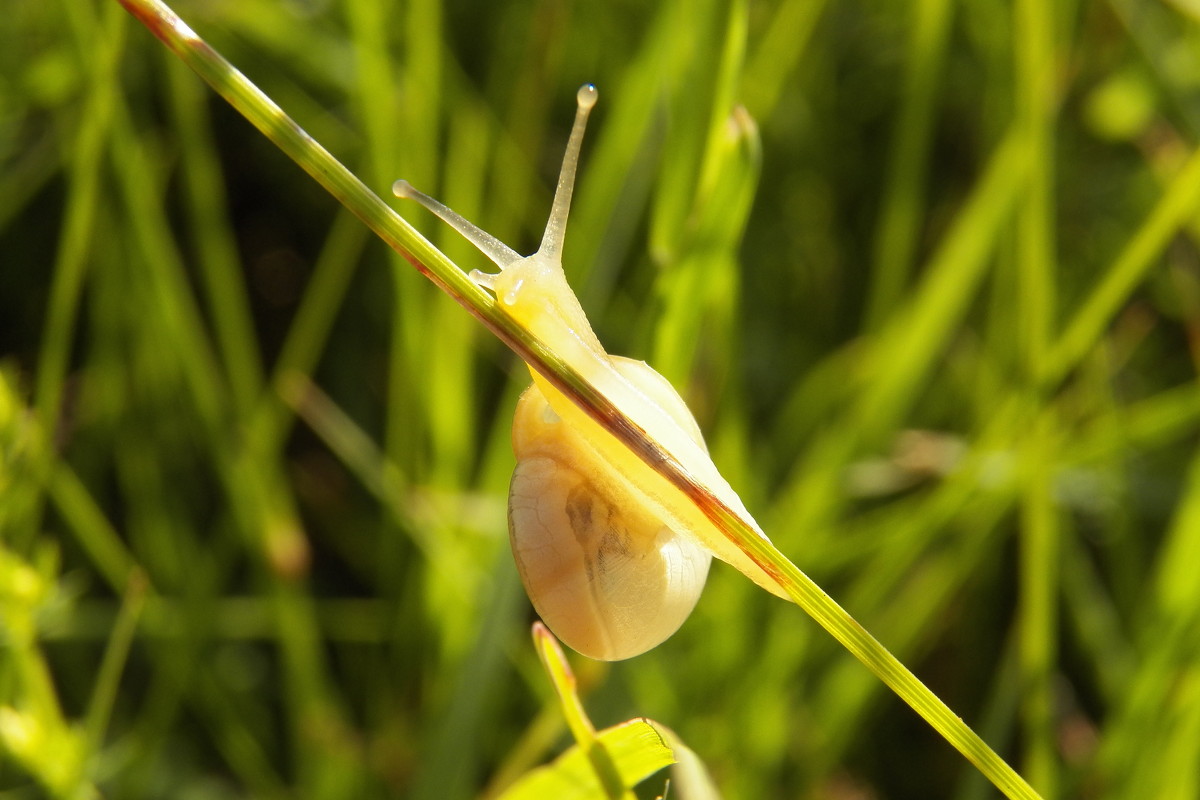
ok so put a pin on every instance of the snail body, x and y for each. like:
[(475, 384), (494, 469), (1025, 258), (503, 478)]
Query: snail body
[(612, 556)]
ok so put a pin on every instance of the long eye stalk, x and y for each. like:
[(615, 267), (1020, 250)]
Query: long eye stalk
[(556, 227)]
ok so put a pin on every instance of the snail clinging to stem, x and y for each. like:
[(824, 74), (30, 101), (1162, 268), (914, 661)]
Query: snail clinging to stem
[(612, 555)]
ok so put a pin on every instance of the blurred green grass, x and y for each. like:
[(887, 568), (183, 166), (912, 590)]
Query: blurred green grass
[(254, 466)]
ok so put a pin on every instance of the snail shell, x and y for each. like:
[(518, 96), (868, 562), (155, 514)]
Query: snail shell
[(611, 580)]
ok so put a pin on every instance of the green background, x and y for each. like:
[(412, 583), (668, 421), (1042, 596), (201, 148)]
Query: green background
[(926, 273)]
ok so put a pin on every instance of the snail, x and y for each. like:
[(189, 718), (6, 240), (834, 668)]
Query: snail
[(612, 556)]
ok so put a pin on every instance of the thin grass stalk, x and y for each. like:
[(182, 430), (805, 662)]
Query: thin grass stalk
[(1036, 104)]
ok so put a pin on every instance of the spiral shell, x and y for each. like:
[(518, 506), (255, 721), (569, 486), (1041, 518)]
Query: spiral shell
[(610, 579)]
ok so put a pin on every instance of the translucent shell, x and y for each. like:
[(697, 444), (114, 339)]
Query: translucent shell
[(608, 577)]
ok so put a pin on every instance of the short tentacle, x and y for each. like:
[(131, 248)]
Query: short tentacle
[(501, 254)]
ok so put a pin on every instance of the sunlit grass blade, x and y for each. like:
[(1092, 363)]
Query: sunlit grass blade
[(80, 218), (904, 191), (892, 367), (785, 44), (1154, 748), (636, 749), (34, 731), (908, 346), (1175, 208), (604, 765), (228, 301), (1037, 105), (108, 677)]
